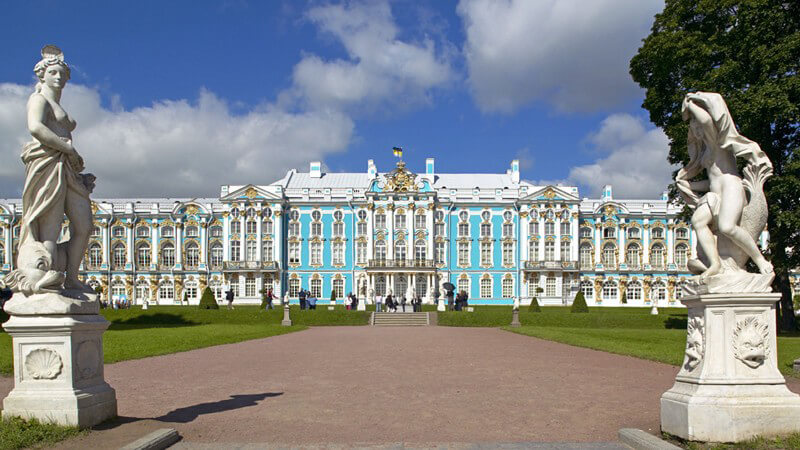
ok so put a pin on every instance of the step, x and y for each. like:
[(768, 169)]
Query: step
[(400, 319)]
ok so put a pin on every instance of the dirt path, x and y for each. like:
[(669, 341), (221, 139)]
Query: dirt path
[(346, 385)]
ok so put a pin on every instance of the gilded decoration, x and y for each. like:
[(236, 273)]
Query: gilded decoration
[(94, 207), (523, 214), (549, 194), (401, 179), (251, 193), (191, 210)]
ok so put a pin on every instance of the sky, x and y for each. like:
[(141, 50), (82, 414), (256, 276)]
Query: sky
[(174, 99)]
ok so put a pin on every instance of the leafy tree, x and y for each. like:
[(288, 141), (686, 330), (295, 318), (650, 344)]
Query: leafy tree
[(579, 304), (749, 52), (207, 301), (534, 306)]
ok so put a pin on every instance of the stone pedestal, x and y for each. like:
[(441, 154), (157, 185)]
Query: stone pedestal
[(515, 319), (287, 321), (58, 370), (441, 306), (362, 305), (729, 388)]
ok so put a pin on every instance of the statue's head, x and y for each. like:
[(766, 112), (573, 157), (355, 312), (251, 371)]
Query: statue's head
[(52, 69), (34, 274)]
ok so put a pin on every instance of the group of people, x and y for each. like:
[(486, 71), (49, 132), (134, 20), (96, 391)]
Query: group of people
[(393, 302), (459, 303), (117, 302), (351, 301)]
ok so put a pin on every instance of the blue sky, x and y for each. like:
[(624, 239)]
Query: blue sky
[(175, 98)]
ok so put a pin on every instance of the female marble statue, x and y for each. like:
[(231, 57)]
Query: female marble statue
[(53, 187), (726, 219)]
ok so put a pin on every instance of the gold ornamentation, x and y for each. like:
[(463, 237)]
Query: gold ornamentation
[(401, 179), (191, 210), (251, 193), (549, 194)]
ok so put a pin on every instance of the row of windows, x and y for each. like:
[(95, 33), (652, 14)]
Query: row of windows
[(633, 291), (634, 233), (191, 254), (633, 256), (168, 231)]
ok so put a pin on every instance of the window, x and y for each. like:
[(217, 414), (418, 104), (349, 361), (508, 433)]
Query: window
[(549, 228), (143, 232), (533, 228), (235, 212), (380, 251), (586, 256), (251, 212), (338, 215), (118, 257), (400, 250), (191, 257), (533, 250), (634, 233), (142, 292), (486, 215), (587, 289), (294, 229), (508, 229), (420, 252), (338, 287), (508, 287), (609, 233), (463, 253), (143, 256), (681, 233), (192, 231), (266, 251), (463, 285), (361, 253), (549, 251), (463, 216), (266, 228), (609, 256), (438, 229), (565, 229), (251, 250), (338, 253), (507, 216), (550, 287), (167, 231), (380, 221), (463, 229), (95, 256), (439, 216), (657, 233), (361, 228), (550, 215), (634, 256), (251, 227), (168, 255), (338, 229), (216, 288), (166, 291), (236, 248), (294, 253), (316, 253), (294, 215), (118, 232), (438, 248), (316, 288), (294, 287), (610, 291), (216, 255), (681, 256), (266, 213), (190, 290), (236, 227), (633, 293), (486, 254), (565, 256), (419, 221), (586, 233), (316, 229), (215, 231), (400, 221), (316, 216), (657, 256), (486, 287), (380, 285), (486, 230), (362, 215), (658, 292), (235, 285), (508, 253), (249, 287)]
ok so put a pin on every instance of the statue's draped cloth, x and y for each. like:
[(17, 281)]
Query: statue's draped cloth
[(48, 176)]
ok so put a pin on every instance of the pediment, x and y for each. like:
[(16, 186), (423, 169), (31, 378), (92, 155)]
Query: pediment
[(550, 193), (250, 192)]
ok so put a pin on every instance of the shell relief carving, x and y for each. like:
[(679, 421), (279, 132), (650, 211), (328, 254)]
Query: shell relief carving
[(43, 363), (750, 341), (695, 342)]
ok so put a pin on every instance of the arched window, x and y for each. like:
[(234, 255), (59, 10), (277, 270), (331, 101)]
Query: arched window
[(681, 256), (143, 253), (118, 232), (634, 256), (400, 250), (167, 231), (633, 292), (586, 232), (463, 285), (192, 231), (236, 248), (420, 252), (609, 233), (380, 251), (166, 291), (657, 233), (380, 285), (533, 250), (586, 256), (610, 291), (609, 256), (216, 288), (142, 292), (657, 256), (190, 290), (143, 232), (117, 289), (533, 228), (421, 286), (588, 290), (508, 287), (294, 287), (215, 231), (168, 255), (216, 255), (658, 291), (118, 257), (95, 256), (486, 287), (251, 250), (681, 233), (191, 257)]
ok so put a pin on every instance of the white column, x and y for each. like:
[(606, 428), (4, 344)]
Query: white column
[(204, 242), (576, 240), (9, 233), (390, 234), (622, 253), (179, 243), (106, 243), (258, 239), (557, 227), (410, 242), (370, 234), (598, 232), (242, 236), (277, 241), (523, 239), (130, 231), (670, 239), (154, 243), (646, 243), (429, 228), (226, 238), (540, 242)]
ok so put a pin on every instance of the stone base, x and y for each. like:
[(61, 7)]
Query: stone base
[(515, 319), (58, 370), (69, 302), (729, 388)]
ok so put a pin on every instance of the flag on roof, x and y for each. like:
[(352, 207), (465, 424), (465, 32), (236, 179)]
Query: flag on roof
[(398, 152)]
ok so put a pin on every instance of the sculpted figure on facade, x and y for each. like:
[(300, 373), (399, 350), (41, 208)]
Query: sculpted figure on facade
[(54, 186), (730, 210)]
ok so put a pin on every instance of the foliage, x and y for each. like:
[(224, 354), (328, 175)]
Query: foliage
[(796, 302), (264, 299), (579, 304), (207, 301), (18, 433), (333, 297), (749, 52), (534, 306), (185, 297), (624, 298)]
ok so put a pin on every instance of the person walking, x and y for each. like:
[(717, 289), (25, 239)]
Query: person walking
[(270, 296), (229, 298), (403, 303), (302, 296)]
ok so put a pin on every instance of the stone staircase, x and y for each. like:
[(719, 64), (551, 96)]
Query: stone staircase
[(400, 319)]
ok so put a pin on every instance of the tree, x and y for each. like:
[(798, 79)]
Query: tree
[(579, 304), (749, 52), (534, 306), (207, 301)]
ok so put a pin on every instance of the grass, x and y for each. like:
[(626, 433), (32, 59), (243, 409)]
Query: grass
[(18, 433), (790, 441)]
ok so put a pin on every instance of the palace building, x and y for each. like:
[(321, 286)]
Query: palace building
[(492, 235)]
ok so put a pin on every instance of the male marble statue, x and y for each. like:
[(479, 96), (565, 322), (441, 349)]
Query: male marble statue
[(727, 221), (54, 186)]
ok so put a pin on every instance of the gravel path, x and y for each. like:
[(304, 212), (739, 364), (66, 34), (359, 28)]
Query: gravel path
[(367, 385)]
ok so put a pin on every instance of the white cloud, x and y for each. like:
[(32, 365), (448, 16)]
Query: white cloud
[(380, 69), (634, 160), (175, 147), (572, 54)]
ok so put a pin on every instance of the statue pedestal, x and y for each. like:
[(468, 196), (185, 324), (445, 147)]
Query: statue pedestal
[(440, 306), (58, 370), (515, 319), (287, 321), (362, 305), (729, 388)]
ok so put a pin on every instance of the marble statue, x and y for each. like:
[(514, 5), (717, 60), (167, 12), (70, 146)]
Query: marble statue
[(516, 303), (730, 210), (54, 186)]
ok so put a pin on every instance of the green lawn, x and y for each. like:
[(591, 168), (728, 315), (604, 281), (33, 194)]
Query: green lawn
[(17, 433)]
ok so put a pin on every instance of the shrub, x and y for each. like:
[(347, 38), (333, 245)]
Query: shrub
[(624, 299), (796, 301), (534, 307), (579, 304), (264, 297), (333, 297), (185, 297), (207, 301)]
